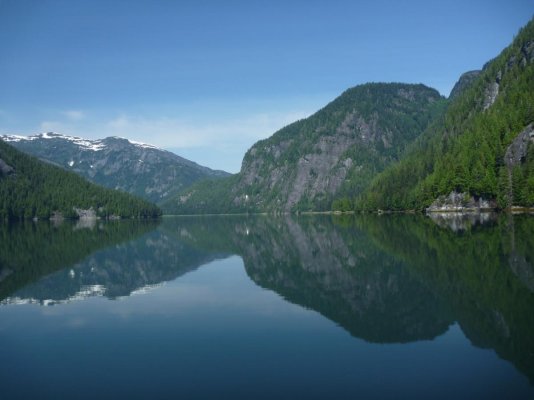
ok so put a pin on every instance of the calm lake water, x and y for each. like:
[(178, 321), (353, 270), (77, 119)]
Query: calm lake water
[(265, 307)]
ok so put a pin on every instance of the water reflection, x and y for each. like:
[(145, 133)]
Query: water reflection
[(113, 259), (388, 279), (396, 278)]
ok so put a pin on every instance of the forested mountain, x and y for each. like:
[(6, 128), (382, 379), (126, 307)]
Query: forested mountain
[(335, 152), (482, 148), (464, 83), (117, 163), (32, 188)]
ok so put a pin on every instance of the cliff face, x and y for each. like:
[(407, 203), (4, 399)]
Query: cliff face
[(517, 151), (333, 153), (336, 150)]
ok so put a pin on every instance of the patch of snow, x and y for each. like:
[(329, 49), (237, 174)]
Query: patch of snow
[(14, 138), (84, 293), (144, 290), (86, 144), (143, 145), (71, 163)]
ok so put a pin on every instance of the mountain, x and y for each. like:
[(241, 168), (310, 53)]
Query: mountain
[(481, 153), (32, 188), (465, 81), (334, 153), (137, 168)]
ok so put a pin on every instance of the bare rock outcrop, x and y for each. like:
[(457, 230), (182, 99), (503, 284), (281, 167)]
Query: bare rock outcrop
[(461, 202), (5, 169), (517, 151)]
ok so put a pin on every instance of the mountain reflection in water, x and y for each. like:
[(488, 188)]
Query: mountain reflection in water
[(384, 279)]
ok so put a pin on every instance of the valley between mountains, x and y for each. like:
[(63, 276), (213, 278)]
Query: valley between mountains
[(378, 146)]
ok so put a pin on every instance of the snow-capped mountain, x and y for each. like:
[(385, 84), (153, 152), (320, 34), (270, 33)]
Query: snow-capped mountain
[(138, 168)]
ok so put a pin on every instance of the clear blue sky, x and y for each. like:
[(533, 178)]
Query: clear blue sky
[(209, 78)]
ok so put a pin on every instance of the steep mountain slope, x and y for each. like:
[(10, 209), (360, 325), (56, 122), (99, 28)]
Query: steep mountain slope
[(137, 168), (481, 148), (335, 152), (32, 188), (464, 83)]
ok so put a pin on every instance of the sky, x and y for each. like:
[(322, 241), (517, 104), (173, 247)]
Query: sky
[(207, 79)]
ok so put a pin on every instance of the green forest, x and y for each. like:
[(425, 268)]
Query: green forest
[(30, 188), (464, 150)]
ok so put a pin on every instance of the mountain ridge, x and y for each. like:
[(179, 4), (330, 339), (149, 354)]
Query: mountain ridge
[(117, 163), (30, 188), (463, 156)]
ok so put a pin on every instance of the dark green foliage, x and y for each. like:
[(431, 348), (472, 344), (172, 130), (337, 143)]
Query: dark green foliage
[(36, 189), (484, 273), (523, 181), (464, 150), (206, 197)]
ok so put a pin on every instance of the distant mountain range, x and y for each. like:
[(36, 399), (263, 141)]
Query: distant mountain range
[(30, 188), (117, 163)]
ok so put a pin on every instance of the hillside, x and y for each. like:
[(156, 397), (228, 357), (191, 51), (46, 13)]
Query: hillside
[(335, 152), (137, 168), (32, 188), (464, 83), (481, 153)]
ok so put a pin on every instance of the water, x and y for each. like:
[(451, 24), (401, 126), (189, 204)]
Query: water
[(263, 307)]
